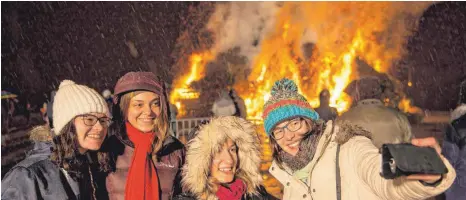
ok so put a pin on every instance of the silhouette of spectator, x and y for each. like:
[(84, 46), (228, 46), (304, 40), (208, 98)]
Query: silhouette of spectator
[(326, 112), (387, 125), (239, 104)]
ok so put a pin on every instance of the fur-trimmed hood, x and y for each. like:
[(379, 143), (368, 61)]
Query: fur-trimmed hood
[(347, 130), (41, 134), (209, 139), (458, 112)]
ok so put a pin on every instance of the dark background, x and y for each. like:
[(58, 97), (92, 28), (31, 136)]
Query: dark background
[(46, 42)]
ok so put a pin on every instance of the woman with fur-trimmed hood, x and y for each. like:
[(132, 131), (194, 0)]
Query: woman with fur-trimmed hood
[(222, 162), (337, 161)]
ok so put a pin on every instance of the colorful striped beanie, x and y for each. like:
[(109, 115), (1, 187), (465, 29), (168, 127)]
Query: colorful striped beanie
[(285, 103)]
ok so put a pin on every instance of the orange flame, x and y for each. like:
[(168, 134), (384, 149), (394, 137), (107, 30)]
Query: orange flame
[(345, 31), (338, 46), (406, 106), (181, 86)]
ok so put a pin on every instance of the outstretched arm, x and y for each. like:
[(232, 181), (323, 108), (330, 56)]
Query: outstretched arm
[(364, 158)]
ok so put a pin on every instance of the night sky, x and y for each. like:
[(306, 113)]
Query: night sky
[(89, 42)]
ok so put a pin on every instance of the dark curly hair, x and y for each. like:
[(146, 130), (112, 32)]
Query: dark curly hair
[(66, 155)]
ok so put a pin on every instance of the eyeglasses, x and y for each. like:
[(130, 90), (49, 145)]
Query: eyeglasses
[(91, 120), (292, 126)]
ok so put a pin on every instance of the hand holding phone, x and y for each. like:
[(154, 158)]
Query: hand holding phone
[(419, 160), (432, 143)]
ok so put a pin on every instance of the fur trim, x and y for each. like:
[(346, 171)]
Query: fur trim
[(40, 133), (458, 112), (210, 138), (346, 131)]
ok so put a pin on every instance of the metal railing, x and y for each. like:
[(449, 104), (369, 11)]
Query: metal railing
[(182, 127)]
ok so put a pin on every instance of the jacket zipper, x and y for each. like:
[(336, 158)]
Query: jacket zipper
[(320, 156)]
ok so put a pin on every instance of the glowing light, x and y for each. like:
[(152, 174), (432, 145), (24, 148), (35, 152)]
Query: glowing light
[(342, 39)]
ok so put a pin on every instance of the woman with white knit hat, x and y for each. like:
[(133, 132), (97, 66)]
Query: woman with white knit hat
[(70, 170)]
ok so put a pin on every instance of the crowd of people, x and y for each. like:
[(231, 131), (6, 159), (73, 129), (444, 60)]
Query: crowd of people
[(121, 146)]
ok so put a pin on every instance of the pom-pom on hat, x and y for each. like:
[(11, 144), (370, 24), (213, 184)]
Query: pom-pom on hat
[(285, 103)]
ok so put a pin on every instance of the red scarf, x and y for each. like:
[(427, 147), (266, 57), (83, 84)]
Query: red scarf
[(142, 181), (235, 192)]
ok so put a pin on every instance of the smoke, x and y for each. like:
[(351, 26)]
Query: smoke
[(245, 25)]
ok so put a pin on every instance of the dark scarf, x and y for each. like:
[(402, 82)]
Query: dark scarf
[(83, 177), (307, 149)]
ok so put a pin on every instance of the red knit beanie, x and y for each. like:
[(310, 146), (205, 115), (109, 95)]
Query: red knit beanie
[(133, 81)]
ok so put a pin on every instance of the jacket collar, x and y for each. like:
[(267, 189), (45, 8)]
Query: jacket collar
[(458, 112), (72, 183)]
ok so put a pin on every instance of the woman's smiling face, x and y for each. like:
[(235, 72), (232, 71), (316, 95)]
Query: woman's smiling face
[(143, 109), (225, 162), (290, 133)]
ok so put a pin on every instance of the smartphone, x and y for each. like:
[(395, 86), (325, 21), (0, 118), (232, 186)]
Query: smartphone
[(405, 159)]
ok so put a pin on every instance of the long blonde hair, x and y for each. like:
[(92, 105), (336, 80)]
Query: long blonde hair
[(161, 127)]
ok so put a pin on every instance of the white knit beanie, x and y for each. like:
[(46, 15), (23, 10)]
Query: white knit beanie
[(72, 100)]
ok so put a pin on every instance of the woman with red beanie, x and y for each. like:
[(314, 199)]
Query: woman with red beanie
[(146, 158)]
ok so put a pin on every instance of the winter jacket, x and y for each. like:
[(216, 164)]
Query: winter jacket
[(454, 150), (171, 159), (224, 106), (386, 124), (359, 164), (200, 152), (36, 177)]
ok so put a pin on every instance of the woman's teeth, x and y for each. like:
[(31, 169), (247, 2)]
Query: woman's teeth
[(294, 144), (226, 169), (147, 120), (95, 136)]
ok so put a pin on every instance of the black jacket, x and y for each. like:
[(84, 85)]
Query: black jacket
[(454, 150), (456, 132)]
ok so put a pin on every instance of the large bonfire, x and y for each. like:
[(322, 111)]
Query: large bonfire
[(317, 44)]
